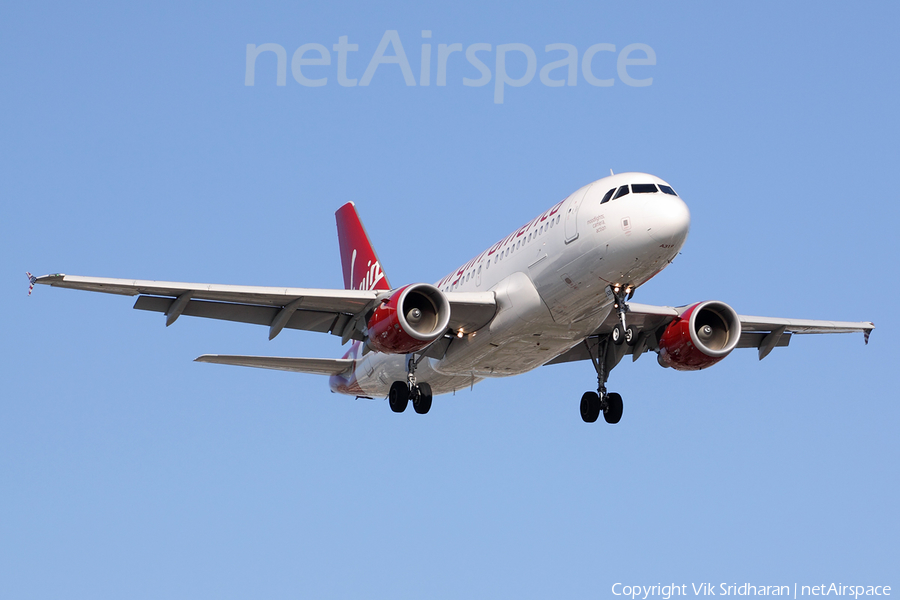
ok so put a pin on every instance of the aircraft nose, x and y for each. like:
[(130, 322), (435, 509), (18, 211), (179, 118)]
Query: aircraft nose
[(668, 219)]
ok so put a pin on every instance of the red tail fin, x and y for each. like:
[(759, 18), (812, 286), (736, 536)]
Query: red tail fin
[(362, 269)]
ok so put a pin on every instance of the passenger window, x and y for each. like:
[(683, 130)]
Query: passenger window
[(622, 191), (667, 190), (643, 188), (607, 196)]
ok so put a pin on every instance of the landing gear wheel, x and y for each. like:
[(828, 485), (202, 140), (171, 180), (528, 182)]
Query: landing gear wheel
[(618, 336), (590, 407), (422, 401), (398, 397), (613, 412), (630, 335)]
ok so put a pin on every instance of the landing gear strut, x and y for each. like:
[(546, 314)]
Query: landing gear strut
[(593, 403), (402, 392), (621, 332)]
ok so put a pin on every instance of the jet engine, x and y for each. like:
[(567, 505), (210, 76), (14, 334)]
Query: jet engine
[(703, 335), (409, 320)]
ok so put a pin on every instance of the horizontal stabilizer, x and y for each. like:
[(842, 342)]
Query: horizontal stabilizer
[(318, 366)]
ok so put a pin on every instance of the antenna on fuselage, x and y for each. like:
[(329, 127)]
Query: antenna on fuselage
[(610, 172)]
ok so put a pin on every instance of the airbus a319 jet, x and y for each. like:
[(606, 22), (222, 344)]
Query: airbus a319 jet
[(556, 289)]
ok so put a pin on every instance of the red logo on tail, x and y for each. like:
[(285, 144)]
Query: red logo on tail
[(362, 269)]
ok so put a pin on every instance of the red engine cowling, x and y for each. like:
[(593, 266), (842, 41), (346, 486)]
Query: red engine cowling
[(703, 335), (413, 317)]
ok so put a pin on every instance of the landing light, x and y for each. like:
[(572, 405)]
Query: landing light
[(459, 333)]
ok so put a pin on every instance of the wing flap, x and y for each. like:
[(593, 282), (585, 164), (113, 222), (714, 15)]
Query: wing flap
[(307, 320), (317, 366), (576, 353)]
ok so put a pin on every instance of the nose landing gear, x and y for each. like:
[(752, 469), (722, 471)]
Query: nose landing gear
[(621, 332)]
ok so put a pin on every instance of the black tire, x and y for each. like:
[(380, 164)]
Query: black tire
[(422, 403), (613, 412), (398, 397), (631, 336), (617, 335), (590, 407)]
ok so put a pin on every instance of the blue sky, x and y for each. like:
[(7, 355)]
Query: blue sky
[(132, 148)]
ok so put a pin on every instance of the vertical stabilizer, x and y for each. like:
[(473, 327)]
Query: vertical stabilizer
[(362, 269)]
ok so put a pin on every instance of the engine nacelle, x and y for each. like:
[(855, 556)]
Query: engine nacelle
[(703, 335), (413, 317)]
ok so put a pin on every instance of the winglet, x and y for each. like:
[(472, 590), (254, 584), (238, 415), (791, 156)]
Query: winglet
[(866, 335), (31, 281)]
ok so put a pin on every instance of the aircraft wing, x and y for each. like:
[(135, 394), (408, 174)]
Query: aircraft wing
[(325, 310), (764, 333)]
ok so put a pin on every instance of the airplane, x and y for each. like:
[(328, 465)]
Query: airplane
[(557, 289)]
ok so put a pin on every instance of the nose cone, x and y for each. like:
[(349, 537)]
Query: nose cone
[(668, 219)]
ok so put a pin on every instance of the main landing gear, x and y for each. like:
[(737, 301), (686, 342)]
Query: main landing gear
[(402, 392), (593, 403), (609, 403)]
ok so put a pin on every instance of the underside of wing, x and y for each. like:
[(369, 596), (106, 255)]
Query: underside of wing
[(318, 366), (309, 309), (340, 312), (763, 333), (803, 325), (311, 298)]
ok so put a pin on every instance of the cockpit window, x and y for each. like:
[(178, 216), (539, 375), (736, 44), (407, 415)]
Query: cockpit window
[(607, 196), (622, 191), (667, 190), (643, 188)]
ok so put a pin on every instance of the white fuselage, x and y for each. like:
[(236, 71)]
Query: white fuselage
[(549, 278)]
